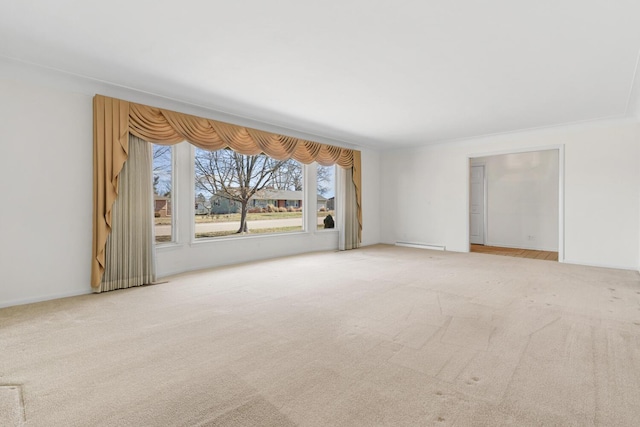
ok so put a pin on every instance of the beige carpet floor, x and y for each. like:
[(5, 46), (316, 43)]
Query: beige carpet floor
[(378, 336)]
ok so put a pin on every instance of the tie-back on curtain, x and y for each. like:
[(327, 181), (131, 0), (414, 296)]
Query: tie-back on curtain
[(129, 257), (115, 119)]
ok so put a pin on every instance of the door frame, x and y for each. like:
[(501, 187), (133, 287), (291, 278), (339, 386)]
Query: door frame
[(485, 199), (561, 172)]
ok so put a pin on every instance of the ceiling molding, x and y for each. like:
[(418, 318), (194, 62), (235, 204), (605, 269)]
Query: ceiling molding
[(531, 131)]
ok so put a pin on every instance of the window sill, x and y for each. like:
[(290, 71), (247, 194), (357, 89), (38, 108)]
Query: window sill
[(169, 246), (327, 230), (206, 240)]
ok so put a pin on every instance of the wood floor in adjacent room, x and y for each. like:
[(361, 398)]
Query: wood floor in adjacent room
[(515, 252), (379, 336)]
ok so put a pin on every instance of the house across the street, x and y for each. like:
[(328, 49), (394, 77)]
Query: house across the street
[(221, 203), (161, 206)]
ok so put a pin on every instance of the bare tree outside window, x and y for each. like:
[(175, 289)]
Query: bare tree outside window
[(162, 197), (162, 169), (326, 180), (238, 186)]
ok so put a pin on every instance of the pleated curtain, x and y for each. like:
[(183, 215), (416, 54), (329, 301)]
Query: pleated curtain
[(349, 235), (129, 251)]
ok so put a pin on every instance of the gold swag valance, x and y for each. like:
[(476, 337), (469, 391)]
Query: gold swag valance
[(115, 119)]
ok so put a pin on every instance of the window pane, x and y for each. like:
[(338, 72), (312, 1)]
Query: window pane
[(239, 195), (162, 197), (326, 190)]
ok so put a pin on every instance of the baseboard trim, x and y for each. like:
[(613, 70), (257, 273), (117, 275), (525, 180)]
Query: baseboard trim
[(23, 301), (585, 264), (421, 246)]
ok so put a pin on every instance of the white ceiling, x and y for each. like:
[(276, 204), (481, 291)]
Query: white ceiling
[(372, 73)]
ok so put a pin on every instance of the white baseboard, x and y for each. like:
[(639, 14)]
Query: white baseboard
[(421, 246), (24, 301), (586, 264)]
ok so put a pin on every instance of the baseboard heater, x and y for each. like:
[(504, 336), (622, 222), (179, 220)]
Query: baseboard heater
[(421, 246)]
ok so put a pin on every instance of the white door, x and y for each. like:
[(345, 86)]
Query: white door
[(476, 210)]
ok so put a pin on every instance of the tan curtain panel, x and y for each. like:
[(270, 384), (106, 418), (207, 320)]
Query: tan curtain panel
[(110, 150), (114, 119)]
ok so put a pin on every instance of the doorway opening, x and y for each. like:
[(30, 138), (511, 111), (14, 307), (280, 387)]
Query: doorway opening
[(515, 204)]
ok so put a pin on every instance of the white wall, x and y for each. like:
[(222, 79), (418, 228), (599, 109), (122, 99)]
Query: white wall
[(430, 187), (522, 199), (371, 199), (47, 172)]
